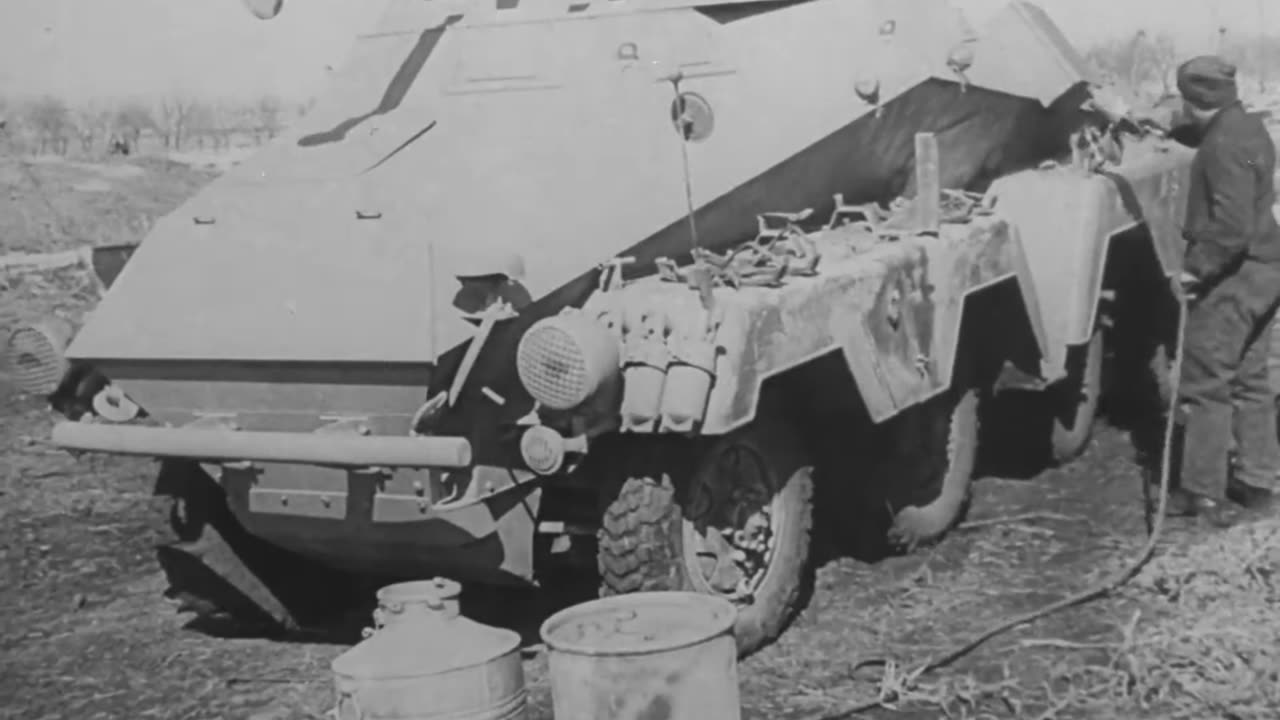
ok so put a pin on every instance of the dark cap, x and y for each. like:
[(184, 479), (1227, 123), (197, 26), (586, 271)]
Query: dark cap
[(1207, 82)]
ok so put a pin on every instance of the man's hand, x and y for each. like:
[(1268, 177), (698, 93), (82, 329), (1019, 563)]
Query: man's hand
[(1158, 120), (1189, 285)]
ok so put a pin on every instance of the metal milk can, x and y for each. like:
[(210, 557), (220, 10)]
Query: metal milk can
[(423, 660)]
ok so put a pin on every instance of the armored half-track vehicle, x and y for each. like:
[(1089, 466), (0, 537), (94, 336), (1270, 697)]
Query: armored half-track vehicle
[(621, 287)]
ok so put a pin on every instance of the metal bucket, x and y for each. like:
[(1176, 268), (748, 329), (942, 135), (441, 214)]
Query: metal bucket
[(425, 661), (668, 655)]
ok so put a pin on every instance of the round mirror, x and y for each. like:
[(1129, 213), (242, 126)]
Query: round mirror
[(692, 116), (264, 9)]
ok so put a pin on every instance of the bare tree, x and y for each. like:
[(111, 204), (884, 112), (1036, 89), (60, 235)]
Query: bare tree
[(1137, 61), (1162, 59), (131, 119), (8, 126), (201, 123), (304, 107), (1257, 56), (51, 120), (174, 114), (269, 111), (221, 119), (93, 122)]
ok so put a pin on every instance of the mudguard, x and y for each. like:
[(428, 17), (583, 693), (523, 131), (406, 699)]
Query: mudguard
[(892, 308), (1067, 219)]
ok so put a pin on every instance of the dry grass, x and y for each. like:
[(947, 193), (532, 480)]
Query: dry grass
[(68, 292), (54, 204), (85, 631), (1193, 636), (1210, 638)]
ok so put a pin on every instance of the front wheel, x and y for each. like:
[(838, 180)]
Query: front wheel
[(1075, 401), (731, 518)]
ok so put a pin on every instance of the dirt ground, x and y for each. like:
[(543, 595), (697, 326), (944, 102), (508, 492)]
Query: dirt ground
[(50, 204), (86, 632)]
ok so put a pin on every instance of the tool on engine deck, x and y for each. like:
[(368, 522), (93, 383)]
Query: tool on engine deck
[(1093, 150), (799, 253), (961, 206), (763, 262), (611, 273), (956, 207), (1106, 103), (843, 214), (1098, 147)]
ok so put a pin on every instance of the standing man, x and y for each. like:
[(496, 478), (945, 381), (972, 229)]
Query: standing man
[(1232, 275)]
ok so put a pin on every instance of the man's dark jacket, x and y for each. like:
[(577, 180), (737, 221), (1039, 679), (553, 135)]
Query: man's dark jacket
[(1230, 199)]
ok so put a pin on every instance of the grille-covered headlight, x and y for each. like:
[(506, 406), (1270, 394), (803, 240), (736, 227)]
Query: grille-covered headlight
[(33, 355), (563, 360)]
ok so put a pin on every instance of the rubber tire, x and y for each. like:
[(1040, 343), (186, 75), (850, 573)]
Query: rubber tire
[(1084, 382), (945, 497), (641, 539)]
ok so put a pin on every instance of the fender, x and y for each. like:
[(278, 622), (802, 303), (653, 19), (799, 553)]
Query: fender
[(893, 309), (1067, 219)]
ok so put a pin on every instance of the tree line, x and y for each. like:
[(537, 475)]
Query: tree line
[(1142, 63), (1147, 62), (49, 124)]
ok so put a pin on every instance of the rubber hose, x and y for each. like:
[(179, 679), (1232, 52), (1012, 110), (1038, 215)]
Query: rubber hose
[(1100, 590)]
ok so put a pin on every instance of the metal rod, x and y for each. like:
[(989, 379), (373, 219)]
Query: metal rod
[(473, 352), (335, 450), (928, 203)]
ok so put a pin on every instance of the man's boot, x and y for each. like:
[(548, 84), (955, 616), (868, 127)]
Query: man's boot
[(1249, 496), (1218, 513)]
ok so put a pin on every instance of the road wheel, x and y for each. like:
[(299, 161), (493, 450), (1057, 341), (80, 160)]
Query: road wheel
[(732, 519), (941, 437), (1075, 400)]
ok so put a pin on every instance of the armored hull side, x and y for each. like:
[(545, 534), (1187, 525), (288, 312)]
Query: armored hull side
[(318, 278), (338, 246)]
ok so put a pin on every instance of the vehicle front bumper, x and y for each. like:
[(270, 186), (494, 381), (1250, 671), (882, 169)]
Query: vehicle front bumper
[(221, 445)]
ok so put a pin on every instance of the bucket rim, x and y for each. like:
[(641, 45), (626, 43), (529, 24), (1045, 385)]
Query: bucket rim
[(728, 615)]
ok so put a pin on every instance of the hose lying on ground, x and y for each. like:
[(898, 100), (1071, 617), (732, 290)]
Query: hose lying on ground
[(1103, 589)]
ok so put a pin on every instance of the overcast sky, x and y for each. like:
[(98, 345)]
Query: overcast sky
[(83, 48)]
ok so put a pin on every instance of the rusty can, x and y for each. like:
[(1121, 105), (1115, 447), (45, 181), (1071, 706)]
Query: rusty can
[(424, 661), (669, 655)]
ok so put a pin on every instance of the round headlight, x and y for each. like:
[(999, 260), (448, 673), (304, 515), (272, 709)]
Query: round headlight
[(563, 360), (33, 356)]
